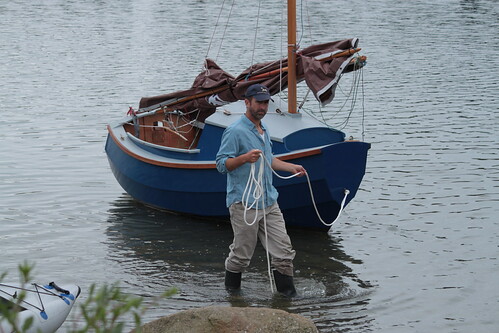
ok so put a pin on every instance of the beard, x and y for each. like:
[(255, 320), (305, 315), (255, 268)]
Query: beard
[(256, 111), (258, 114)]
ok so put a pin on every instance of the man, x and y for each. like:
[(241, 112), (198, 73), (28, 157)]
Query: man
[(243, 142)]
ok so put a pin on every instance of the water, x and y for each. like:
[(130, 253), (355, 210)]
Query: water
[(417, 249)]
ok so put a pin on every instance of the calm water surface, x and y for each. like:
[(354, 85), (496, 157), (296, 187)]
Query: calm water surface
[(417, 249)]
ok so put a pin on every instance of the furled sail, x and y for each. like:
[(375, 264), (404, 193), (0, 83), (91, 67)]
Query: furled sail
[(321, 66)]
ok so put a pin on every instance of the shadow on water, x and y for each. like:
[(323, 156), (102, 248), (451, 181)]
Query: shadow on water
[(156, 250)]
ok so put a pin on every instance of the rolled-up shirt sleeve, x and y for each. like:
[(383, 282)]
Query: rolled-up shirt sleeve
[(228, 149)]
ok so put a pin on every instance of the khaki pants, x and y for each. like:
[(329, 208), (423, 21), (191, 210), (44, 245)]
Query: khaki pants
[(246, 237)]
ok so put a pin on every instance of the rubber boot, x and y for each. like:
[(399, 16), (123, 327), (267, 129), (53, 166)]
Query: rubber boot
[(232, 281), (284, 284)]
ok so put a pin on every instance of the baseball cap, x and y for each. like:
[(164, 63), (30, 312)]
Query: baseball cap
[(258, 91)]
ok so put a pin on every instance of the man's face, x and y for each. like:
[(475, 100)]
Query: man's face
[(257, 109)]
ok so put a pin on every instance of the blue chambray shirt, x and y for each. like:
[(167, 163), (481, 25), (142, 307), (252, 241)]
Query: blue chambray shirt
[(239, 138)]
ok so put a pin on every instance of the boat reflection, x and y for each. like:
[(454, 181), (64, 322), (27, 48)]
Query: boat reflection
[(156, 248), (197, 245)]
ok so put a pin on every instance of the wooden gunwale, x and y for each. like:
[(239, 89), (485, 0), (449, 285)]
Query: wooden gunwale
[(198, 165)]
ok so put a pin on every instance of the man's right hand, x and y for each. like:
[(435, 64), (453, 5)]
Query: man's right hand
[(250, 157), (253, 155)]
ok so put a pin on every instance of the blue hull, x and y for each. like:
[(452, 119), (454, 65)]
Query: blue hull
[(201, 190)]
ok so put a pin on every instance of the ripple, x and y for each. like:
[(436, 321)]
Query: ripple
[(415, 251)]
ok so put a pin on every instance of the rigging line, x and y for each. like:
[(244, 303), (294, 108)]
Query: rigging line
[(357, 81), (177, 111), (256, 33), (322, 116), (363, 109), (308, 19), (214, 29), (354, 80), (283, 8), (194, 140), (314, 115), (354, 98), (304, 99), (302, 28), (225, 29), (351, 92), (172, 126), (264, 68), (350, 96), (344, 123), (358, 86)]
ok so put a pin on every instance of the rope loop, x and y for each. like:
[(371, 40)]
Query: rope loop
[(255, 189), (255, 185)]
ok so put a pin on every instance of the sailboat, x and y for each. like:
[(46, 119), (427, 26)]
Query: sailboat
[(163, 153)]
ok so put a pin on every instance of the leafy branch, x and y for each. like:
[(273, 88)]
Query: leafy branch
[(103, 311)]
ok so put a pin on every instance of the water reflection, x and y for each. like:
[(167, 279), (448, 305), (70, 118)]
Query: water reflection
[(174, 240), (471, 5), (158, 249)]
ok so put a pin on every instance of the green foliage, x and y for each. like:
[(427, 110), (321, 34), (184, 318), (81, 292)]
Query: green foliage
[(106, 306), (103, 310), (9, 311)]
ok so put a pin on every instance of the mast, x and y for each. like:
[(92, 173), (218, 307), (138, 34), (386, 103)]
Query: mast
[(292, 56)]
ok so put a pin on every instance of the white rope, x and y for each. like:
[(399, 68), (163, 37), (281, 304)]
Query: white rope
[(255, 189), (346, 192), (254, 186)]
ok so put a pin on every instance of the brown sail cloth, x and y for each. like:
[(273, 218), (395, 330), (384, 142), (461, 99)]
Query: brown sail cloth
[(321, 66)]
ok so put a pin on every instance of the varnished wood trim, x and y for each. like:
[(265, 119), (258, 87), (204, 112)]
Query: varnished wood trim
[(300, 154), (159, 163), (198, 165)]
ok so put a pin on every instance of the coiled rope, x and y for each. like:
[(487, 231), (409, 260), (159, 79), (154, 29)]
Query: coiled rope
[(255, 190)]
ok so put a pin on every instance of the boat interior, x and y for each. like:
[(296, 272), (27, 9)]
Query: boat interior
[(11, 306), (169, 129)]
